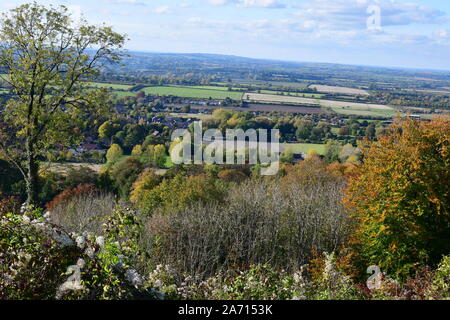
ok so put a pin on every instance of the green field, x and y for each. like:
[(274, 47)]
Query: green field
[(298, 148), (219, 88), (109, 85), (192, 92)]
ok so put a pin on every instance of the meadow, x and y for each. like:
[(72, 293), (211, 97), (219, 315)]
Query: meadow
[(191, 92), (298, 148)]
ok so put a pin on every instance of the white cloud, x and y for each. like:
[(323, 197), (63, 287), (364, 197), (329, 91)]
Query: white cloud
[(162, 10), (270, 4), (132, 2), (353, 14), (261, 4)]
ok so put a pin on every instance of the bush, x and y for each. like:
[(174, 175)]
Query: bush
[(146, 181), (258, 223), (82, 212), (180, 192), (39, 260)]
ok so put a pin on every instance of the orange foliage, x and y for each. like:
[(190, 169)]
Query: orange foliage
[(400, 196), (70, 194)]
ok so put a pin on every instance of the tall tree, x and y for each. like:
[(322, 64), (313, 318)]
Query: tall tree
[(401, 199), (48, 57)]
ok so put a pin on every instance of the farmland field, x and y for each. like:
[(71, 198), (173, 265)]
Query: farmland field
[(109, 85), (260, 97), (220, 88), (342, 90), (342, 107), (123, 94), (259, 107), (294, 94), (190, 92), (298, 148)]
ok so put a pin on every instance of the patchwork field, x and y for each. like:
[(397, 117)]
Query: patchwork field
[(342, 107), (192, 92), (341, 90)]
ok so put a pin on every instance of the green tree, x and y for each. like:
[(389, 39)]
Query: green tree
[(47, 59), (159, 155), (107, 129), (124, 173), (332, 151), (114, 153)]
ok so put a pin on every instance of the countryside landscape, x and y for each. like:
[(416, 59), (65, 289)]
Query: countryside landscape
[(95, 204)]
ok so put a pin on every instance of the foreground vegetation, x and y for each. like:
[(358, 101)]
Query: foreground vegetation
[(217, 232), (364, 195)]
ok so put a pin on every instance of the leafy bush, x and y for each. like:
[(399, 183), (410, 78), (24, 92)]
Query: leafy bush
[(180, 192), (146, 181), (41, 261)]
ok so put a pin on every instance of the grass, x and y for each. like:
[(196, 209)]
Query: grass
[(109, 85), (123, 94), (192, 92), (217, 88), (298, 148)]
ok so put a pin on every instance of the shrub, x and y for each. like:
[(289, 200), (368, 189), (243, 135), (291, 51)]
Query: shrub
[(64, 197), (258, 223), (9, 205), (180, 192), (39, 260), (146, 181), (232, 175), (83, 212)]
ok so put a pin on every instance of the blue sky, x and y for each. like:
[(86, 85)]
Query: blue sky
[(410, 33)]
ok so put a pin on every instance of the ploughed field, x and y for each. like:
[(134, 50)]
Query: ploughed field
[(339, 90), (343, 107)]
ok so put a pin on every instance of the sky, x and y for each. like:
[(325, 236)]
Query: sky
[(391, 33)]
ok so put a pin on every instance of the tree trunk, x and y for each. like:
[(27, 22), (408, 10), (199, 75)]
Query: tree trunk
[(32, 176)]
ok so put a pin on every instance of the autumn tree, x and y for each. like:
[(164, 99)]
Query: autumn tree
[(401, 199), (114, 153), (48, 57)]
